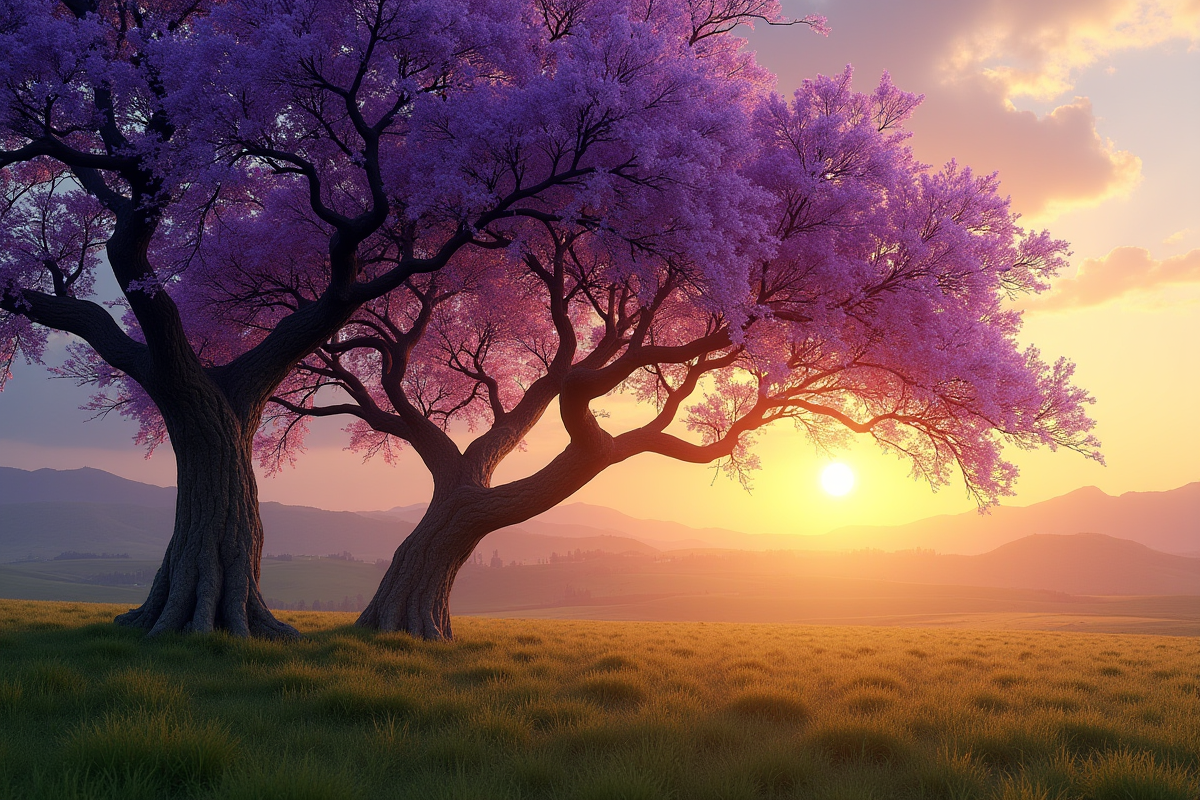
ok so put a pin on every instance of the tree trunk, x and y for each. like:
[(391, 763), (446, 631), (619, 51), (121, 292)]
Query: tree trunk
[(210, 573), (414, 595)]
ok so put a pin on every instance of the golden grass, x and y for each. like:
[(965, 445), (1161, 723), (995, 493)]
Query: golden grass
[(569, 709)]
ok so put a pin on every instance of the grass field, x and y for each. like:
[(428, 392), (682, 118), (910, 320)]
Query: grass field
[(575, 709), (699, 590)]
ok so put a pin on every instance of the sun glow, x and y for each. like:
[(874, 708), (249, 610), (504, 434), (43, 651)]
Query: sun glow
[(837, 479)]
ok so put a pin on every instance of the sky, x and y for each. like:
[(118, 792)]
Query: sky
[(1088, 109)]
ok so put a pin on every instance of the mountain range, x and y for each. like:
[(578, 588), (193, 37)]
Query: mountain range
[(1085, 541), (1166, 521)]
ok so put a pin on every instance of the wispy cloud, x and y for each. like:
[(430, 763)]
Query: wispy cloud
[(1177, 236), (1124, 271)]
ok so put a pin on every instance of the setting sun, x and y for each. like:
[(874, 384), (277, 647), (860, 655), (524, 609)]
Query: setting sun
[(837, 479)]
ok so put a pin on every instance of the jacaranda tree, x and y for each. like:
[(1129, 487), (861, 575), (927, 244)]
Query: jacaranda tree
[(865, 295), (306, 159)]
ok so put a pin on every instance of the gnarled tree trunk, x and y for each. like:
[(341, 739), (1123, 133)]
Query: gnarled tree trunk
[(210, 573), (414, 595)]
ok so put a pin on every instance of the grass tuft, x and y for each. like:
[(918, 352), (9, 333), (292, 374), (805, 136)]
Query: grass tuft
[(363, 699), (1086, 737), (159, 750), (990, 702), (52, 678), (479, 675), (950, 777), (613, 692), (1127, 775), (614, 663), (859, 743), (1010, 748), (869, 702), (779, 772), (769, 707), (304, 781), (548, 716), (620, 781)]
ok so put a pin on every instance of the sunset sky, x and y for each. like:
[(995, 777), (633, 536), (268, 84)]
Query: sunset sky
[(1089, 109)]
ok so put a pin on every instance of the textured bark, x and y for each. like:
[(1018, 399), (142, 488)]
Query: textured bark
[(210, 573), (414, 595)]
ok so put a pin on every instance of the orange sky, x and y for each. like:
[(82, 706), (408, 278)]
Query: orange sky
[(1088, 108)]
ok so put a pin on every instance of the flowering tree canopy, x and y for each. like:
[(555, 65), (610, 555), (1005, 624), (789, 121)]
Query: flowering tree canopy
[(825, 278), (299, 161)]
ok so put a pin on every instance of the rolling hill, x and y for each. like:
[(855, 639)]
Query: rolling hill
[(84, 485), (46, 512), (58, 512), (1077, 564), (1081, 563), (32, 531), (1167, 521)]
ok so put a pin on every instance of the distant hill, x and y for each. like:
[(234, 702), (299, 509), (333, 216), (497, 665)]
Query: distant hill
[(85, 485), (1081, 563), (1040, 573), (314, 531), (1038, 568), (586, 520), (47, 512), (43, 530), (520, 545), (1166, 521)]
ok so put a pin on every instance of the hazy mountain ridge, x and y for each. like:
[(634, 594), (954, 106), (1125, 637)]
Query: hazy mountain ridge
[(42, 530), (1077, 564), (1166, 521), (599, 521), (85, 485), (47, 512)]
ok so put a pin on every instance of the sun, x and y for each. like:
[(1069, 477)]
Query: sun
[(837, 479)]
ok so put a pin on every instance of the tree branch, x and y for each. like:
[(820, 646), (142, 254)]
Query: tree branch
[(85, 319)]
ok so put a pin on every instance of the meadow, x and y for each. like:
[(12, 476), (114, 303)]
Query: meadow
[(586, 709), (737, 587)]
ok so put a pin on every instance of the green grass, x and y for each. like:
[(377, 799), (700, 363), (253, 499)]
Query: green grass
[(570, 709)]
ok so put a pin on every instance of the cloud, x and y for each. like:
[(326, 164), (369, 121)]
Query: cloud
[(982, 66), (1048, 164), (1123, 271), (1037, 47), (1178, 236)]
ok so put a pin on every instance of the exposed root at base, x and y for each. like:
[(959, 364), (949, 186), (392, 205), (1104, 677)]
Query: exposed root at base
[(253, 622), (420, 628)]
